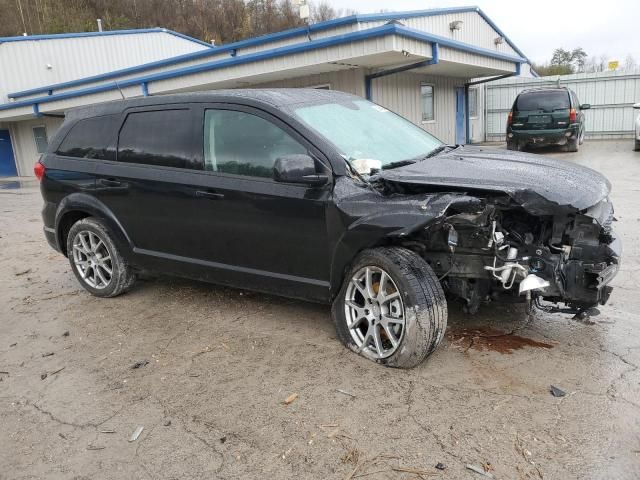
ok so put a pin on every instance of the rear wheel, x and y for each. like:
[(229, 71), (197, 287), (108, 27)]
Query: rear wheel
[(637, 146), (391, 308), (572, 145), (581, 140), (514, 145), (96, 261)]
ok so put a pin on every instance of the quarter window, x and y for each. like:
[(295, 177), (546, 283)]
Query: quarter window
[(426, 92), (240, 143), (91, 138), (160, 137), (40, 137)]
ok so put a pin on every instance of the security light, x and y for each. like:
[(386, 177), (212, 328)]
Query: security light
[(456, 25), (498, 40)]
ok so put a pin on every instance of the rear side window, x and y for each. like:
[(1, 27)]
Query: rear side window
[(91, 138), (161, 137), (547, 101)]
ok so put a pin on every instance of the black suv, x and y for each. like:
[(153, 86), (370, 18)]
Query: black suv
[(546, 116), (327, 197)]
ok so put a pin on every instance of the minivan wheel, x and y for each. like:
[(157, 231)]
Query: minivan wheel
[(572, 145), (96, 261), (391, 308)]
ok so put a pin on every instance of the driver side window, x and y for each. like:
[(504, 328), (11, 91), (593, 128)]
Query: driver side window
[(241, 143)]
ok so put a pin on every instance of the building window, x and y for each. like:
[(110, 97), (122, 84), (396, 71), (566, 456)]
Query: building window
[(40, 137), (473, 102), (426, 92)]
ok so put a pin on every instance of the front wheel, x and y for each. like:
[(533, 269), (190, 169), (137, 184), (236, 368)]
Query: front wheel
[(391, 308), (96, 261)]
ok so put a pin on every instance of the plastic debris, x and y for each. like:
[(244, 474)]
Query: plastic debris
[(140, 364), (136, 434), (290, 399), (345, 393), (479, 471), (556, 392)]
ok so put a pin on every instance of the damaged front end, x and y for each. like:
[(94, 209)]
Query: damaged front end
[(493, 249)]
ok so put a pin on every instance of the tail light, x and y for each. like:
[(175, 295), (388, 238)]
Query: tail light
[(510, 118), (39, 170), (572, 115)]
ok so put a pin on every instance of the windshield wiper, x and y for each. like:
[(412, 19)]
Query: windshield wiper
[(439, 150), (399, 163)]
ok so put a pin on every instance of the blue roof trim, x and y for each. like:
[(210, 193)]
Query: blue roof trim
[(272, 37), (274, 53), (107, 33)]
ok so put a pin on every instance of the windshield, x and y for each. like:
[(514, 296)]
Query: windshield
[(547, 101), (363, 130)]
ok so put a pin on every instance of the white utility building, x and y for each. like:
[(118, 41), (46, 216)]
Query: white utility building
[(423, 65)]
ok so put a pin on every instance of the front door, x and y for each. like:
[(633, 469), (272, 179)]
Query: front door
[(7, 160), (460, 113), (272, 234)]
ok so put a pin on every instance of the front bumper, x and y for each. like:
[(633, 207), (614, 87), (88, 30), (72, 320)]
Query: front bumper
[(543, 137)]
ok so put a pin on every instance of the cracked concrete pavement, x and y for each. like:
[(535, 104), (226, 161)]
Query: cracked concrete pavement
[(222, 361)]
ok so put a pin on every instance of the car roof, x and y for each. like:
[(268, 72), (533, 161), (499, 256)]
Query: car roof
[(278, 98), (545, 89)]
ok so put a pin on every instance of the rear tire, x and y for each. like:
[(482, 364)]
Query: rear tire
[(572, 145), (581, 139), (421, 300), (637, 146), (96, 261), (515, 146)]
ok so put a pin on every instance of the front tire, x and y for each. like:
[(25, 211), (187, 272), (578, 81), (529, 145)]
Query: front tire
[(391, 308), (96, 261)]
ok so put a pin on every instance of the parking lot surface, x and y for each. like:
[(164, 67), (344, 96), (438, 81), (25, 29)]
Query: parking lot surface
[(221, 363)]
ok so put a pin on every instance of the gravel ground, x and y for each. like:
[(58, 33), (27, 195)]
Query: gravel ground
[(222, 362)]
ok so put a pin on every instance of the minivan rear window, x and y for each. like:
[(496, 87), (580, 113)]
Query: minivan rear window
[(91, 138), (547, 101)]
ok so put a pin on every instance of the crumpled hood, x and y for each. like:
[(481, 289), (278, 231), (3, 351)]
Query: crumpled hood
[(540, 184)]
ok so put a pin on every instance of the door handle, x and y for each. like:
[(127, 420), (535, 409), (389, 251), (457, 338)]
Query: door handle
[(209, 195), (109, 182)]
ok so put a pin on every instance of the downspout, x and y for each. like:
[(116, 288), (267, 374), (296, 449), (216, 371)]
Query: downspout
[(435, 58), (467, 117)]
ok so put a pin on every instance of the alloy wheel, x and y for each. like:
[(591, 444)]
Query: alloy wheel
[(375, 312), (92, 259)]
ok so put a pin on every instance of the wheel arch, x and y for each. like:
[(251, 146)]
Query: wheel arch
[(387, 230), (77, 206)]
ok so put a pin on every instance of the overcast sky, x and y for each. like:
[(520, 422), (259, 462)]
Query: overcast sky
[(609, 27)]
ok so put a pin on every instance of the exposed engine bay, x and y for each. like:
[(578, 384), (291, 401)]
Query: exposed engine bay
[(489, 249)]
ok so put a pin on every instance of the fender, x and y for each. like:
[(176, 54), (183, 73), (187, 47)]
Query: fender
[(391, 222), (83, 202)]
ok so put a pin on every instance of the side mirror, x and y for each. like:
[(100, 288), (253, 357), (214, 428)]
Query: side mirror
[(585, 106), (636, 106), (298, 168)]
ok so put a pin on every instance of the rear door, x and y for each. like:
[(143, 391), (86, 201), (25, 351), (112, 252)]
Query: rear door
[(149, 184), (541, 110)]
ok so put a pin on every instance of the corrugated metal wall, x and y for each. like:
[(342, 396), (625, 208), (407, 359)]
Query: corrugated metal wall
[(24, 143), (24, 64), (610, 94)]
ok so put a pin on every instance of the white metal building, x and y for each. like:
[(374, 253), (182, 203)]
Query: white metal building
[(423, 65)]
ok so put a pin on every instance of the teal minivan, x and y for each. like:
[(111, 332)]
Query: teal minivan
[(546, 116)]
